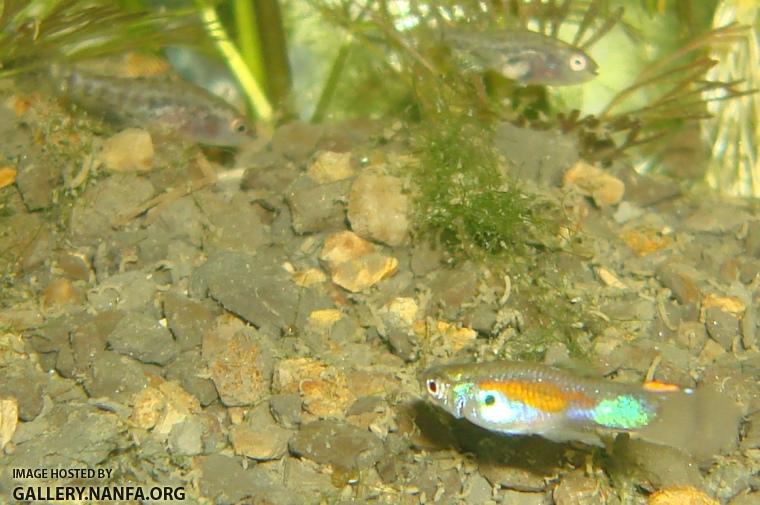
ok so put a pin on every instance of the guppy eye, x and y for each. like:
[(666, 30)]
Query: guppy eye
[(577, 62), (239, 126), (432, 386), (489, 400)]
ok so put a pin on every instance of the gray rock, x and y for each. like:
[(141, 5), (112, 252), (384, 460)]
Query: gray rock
[(520, 498), (286, 409), (378, 208), (235, 225), (128, 291), (188, 319), (477, 489), (655, 466), (404, 344), (114, 376), (37, 178), (255, 287), (723, 327), (728, 479), (751, 438), (577, 488), (185, 437), (102, 203), (313, 484), (143, 338), (186, 370), (452, 287), (752, 241), (511, 477), (341, 445), (224, 480), (25, 383), (317, 207)]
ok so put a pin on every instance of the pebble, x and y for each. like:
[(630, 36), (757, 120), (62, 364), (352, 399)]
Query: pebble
[(142, 337), (378, 208), (330, 166), (60, 292), (680, 281), (7, 176), (255, 287), (37, 179), (185, 438), (185, 370), (8, 419), (577, 488), (343, 246), (324, 389), (604, 188), (722, 326), (240, 365), (362, 273), (286, 409), (130, 150), (188, 319), (259, 437), (114, 376), (680, 495), (317, 207), (338, 444), (645, 241)]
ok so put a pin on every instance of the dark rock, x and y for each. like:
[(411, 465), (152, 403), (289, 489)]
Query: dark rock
[(73, 266), (680, 280), (143, 338), (286, 409), (256, 288), (404, 344), (27, 385), (579, 488), (452, 287), (114, 376), (317, 207), (752, 241), (723, 327), (185, 370), (224, 480), (341, 445), (185, 437), (235, 225), (188, 319), (37, 180)]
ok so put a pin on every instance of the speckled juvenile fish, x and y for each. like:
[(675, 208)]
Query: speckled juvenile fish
[(169, 106), (524, 56), (521, 398)]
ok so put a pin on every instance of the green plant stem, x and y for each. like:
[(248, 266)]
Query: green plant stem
[(248, 37), (328, 92), (251, 87)]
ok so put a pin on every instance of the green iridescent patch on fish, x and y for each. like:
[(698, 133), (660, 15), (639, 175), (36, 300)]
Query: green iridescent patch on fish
[(623, 412)]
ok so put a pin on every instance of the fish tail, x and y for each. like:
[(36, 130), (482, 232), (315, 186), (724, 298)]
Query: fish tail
[(702, 423)]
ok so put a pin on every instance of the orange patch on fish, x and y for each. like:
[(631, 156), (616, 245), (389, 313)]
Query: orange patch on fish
[(539, 395), (660, 387)]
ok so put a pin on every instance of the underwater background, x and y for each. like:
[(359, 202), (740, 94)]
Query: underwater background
[(241, 242)]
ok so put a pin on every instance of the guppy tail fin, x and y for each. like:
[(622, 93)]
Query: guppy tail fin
[(702, 423)]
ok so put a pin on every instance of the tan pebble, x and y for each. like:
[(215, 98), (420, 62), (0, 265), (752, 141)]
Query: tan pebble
[(725, 303), (362, 273), (323, 389), (645, 241), (130, 150), (344, 246), (238, 372), (710, 352), (457, 338), (59, 292), (8, 419), (329, 166), (148, 406), (378, 208), (609, 279), (259, 442), (401, 311), (682, 495), (309, 277), (589, 180), (324, 319), (7, 176)]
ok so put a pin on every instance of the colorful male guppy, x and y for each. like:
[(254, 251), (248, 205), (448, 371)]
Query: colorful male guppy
[(521, 398)]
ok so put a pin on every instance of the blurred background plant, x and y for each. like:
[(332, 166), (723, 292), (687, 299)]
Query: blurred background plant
[(663, 65)]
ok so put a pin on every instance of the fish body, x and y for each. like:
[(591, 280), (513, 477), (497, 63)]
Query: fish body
[(522, 55), (154, 103), (521, 398)]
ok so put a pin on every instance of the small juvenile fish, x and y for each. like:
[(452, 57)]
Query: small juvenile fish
[(170, 106), (524, 56), (521, 398)]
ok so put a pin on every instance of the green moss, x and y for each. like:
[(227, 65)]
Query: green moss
[(462, 196)]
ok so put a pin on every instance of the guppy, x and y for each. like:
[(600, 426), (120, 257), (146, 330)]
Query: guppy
[(521, 398), (153, 103), (522, 55)]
